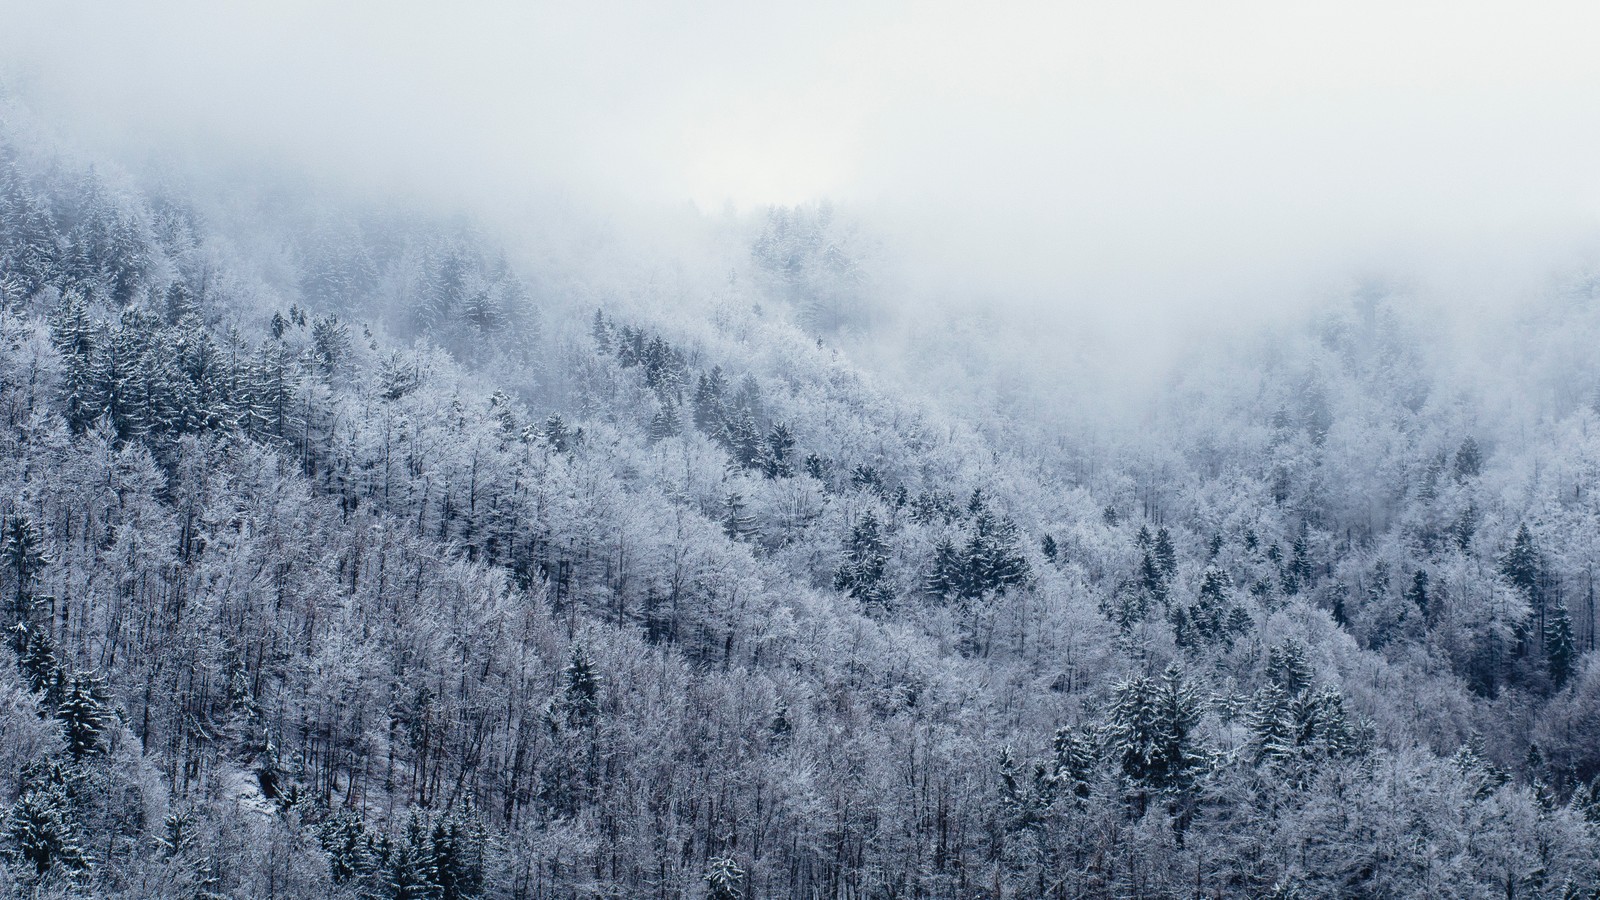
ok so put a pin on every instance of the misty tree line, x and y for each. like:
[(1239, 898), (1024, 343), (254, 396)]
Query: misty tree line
[(299, 607)]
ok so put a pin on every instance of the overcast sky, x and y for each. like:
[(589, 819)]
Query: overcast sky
[(1117, 150)]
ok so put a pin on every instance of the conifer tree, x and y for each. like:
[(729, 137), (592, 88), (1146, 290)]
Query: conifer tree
[(24, 553), (1166, 558), (666, 422), (580, 686), (1151, 731), (344, 838), (947, 578), (40, 832), (866, 559), (556, 433), (1418, 593), (1561, 650), (76, 338), (41, 666), (724, 879), (709, 397), (1287, 667), (737, 523), (777, 453), (83, 714), (1469, 459)]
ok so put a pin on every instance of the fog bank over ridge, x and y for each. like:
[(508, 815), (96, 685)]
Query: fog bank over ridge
[(1146, 170)]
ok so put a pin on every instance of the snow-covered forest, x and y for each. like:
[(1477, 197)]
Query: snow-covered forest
[(354, 549)]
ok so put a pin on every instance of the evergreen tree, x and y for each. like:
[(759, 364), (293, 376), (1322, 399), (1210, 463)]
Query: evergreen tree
[(1150, 732), (666, 422), (1048, 547), (76, 338), (1561, 650), (411, 874), (743, 440), (330, 344), (1418, 593), (24, 553), (1151, 579), (947, 578), (1166, 557), (457, 852), (993, 560), (1271, 723), (724, 879), (777, 454), (709, 414), (1469, 459), (580, 686), (556, 433), (42, 667), (1288, 669), (40, 832), (737, 523), (397, 376), (866, 560), (1465, 528), (1074, 761), (344, 838), (601, 333), (1520, 565), (83, 714)]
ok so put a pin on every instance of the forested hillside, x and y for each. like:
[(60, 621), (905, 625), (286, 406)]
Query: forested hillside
[(352, 555)]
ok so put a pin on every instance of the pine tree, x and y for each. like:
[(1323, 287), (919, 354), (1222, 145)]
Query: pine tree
[(947, 578), (76, 338), (1074, 761), (1561, 651), (1465, 528), (330, 344), (556, 433), (1048, 547), (1166, 558), (866, 560), (1418, 593), (411, 874), (666, 422), (781, 726), (344, 838), (777, 453), (1151, 579), (744, 441), (1520, 565), (1287, 667), (83, 714), (41, 666), (23, 551), (40, 832), (177, 833), (1151, 731), (1469, 460), (737, 523), (710, 416), (580, 686), (724, 879), (601, 333), (1271, 723)]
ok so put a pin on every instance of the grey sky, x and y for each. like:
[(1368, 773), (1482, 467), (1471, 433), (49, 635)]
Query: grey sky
[(1111, 153)]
